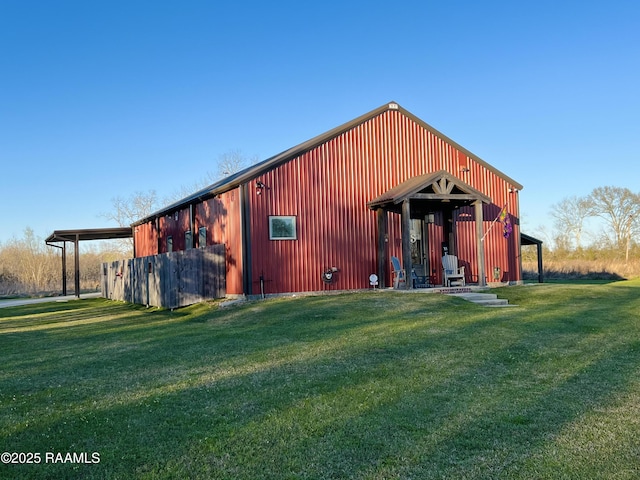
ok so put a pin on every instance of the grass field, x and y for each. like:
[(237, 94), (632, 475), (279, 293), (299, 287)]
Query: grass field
[(369, 386)]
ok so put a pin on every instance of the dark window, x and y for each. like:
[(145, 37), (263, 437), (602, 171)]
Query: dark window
[(282, 228), (202, 237)]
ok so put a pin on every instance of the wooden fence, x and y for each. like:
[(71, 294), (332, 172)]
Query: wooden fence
[(168, 280)]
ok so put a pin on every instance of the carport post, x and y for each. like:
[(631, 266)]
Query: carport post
[(64, 269), (77, 264)]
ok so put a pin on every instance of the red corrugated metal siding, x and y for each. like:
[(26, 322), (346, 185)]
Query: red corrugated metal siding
[(327, 190), (221, 216), (174, 225), (146, 239)]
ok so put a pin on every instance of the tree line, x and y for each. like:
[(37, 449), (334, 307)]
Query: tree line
[(618, 212), (28, 266)]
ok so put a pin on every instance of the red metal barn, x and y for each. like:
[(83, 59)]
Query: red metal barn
[(384, 184)]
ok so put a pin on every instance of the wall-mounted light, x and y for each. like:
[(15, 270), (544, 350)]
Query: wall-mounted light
[(464, 169), (260, 187), (513, 190)]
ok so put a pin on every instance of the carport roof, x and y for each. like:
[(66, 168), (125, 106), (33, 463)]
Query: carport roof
[(529, 240), (90, 234)]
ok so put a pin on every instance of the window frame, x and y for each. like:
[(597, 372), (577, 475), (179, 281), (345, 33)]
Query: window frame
[(293, 227)]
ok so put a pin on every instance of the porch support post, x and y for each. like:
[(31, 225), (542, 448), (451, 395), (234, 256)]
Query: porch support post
[(406, 242), (482, 278), (381, 216)]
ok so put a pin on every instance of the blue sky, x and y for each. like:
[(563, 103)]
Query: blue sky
[(105, 98)]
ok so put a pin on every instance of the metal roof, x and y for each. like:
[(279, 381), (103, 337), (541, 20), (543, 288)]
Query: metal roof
[(529, 240), (260, 168), (90, 234)]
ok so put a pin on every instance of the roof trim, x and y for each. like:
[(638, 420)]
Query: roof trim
[(270, 163)]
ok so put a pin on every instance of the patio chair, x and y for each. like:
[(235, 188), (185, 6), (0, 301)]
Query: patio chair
[(399, 276), (452, 274)]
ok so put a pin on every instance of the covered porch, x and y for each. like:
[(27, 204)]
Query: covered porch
[(426, 206)]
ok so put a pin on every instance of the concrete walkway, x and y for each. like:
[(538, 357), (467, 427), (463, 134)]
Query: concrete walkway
[(15, 302)]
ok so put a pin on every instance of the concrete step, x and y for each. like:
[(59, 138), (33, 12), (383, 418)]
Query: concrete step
[(486, 299), (471, 296), (498, 302)]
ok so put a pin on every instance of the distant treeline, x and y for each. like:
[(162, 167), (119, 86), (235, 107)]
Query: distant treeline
[(30, 267), (605, 262)]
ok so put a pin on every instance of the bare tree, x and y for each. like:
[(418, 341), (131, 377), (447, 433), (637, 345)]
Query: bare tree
[(27, 265), (232, 162), (126, 211), (227, 164), (620, 208), (570, 215), (186, 190)]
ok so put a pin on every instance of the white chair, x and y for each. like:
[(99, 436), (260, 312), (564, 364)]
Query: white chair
[(399, 276), (452, 274)]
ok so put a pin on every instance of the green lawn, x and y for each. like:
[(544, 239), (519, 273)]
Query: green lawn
[(374, 385)]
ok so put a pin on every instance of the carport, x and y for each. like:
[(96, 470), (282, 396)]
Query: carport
[(529, 240), (75, 237)]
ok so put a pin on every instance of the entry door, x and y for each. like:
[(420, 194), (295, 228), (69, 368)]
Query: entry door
[(419, 248)]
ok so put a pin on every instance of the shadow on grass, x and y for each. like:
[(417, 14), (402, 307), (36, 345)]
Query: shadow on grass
[(357, 386)]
